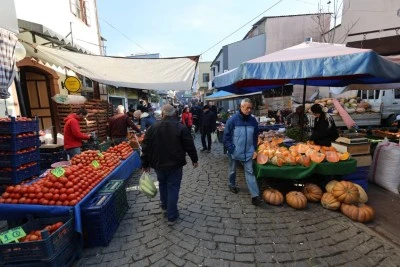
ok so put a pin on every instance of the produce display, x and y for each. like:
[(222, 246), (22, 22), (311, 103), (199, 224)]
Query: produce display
[(272, 196), (8, 119), (296, 200), (351, 105), (312, 192), (270, 151), (36, 235)]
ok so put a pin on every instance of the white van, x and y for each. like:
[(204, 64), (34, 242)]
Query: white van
[(388, 100)]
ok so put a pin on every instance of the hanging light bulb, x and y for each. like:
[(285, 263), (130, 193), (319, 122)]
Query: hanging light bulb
[(20, 51)]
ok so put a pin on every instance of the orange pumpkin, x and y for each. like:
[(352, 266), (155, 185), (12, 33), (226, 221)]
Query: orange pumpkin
[(329, 186), (329, 202), (362, 213), (296, 200), (302, 148), (332, 156), (273, 197), (346, 192), (278, 161), (303, 160), (262, 158), (312, 192), (317, 157)]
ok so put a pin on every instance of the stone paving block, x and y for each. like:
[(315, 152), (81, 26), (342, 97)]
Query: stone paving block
[(191, 232), (227, 247), (175, 260), (177, 251), (162, 263), (139, 253), (141, 263), (113, 256), (157, 256), (224, 239), (244, 257), (264, 257), (207, 244), (282, 257), (134, 236), (195, 259), (245, 249), (217, 254), (241, 264), (215, 263), (186, 245), (245, 241), (202, 252), (217, 231), (130, 244), (120, 262)]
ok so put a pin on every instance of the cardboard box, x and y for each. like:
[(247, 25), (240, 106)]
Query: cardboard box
[(353, 149), (363, 160)]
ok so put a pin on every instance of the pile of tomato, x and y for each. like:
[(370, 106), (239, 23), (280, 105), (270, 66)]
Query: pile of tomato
[(36, 235), (123, 150), (19, 168), (8, 119)]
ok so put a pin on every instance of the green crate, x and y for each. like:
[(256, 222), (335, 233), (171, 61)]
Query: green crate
[(104, 146)]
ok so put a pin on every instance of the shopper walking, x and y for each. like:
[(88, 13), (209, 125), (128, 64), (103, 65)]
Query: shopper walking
[(240, 139), (207, 126), (118, 126), (164, 149), (146, 119), (187, 118), (72, 133)]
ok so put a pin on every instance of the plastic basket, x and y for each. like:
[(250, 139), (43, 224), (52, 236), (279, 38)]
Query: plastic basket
[(53, 157), (16, 176), (45, 249), (14, 160), (99, 220), (104, 146), (117, 187), (16, 143), (16, 127)]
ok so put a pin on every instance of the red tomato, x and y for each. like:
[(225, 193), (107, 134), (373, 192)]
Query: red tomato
[(10, 189), (71, 197), (73, 202), (69, 185), (63, 180), (63, 197)]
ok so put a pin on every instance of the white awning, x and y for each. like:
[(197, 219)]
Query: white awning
[(153, 74)]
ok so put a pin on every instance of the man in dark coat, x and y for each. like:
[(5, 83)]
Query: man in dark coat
[(164, 149), (207, 126)]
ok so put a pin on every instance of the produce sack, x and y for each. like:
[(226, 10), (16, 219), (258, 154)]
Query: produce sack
[(147, 186), (385, 167), (214, 137)]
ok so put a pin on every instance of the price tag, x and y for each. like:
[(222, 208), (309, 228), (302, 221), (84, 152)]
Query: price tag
[(58, 172), (12, 235), (95, 164), (100, 154)]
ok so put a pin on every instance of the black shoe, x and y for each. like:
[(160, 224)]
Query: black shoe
[(203, 149), (173, 222), (233, 189), (208, 150), (257, 201)]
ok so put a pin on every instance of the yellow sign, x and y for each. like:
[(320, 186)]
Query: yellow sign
[(72, 84)]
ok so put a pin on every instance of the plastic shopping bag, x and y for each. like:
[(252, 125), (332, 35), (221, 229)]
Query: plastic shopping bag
[(147, 186), (214, 137)]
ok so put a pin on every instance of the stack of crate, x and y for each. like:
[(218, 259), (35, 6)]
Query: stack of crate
[(96, 121), (19, 149), (360, 149)]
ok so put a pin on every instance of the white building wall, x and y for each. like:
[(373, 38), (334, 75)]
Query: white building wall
[(368, 15), (56, 15), (204, 67), (284, 32), (245, 50), (218, 61)]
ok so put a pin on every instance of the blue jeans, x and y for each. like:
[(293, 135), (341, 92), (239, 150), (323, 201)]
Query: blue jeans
[(248, 173), (169, 186), (73, 151)]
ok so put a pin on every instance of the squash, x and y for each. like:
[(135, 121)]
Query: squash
[(278, 161), (329, 202), (317, 157), (363, 195), (273, 197), (329, 186), (262, 158), (344, 156), (304, 160), (362, 213), (346, 192), (312, 192), (296, 200), (332, 156), (302, 148)]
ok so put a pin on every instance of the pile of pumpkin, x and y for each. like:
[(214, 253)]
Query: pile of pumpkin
[(299, 154), (349, 197), (351, 105)]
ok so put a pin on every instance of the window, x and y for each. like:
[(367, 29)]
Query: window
[(206, 77), (397, 93), (80, 9)]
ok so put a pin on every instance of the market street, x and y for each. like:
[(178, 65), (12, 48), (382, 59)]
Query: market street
[(219, 228)]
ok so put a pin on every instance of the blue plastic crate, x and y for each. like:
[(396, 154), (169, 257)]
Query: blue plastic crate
[(99, 220), (17, 143), (16, 176), (46, 249), (50, 158), (14, 160), (117, 187), (360, 177), (16, 127)]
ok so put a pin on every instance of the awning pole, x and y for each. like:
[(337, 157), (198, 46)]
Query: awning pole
[(303, 112)]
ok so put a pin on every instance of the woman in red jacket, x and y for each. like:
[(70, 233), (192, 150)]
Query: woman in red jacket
[(72, 133), (187, 118)]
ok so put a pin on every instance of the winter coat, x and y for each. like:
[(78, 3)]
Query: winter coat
[(208, 122), (324, 131), (118, 126), (241, 136), (187, 119), (146, 120), (165, 145), (72, 132)]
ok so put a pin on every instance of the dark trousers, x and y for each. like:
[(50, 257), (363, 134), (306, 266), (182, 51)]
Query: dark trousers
[(204, 133), (169, 186)]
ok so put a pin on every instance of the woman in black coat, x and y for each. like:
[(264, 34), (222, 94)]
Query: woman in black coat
[(324, 131)]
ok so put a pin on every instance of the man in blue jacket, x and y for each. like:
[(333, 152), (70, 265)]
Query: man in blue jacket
[(240, 139)]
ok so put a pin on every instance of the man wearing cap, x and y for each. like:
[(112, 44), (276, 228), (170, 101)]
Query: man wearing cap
[(397, 122), (207, 126)]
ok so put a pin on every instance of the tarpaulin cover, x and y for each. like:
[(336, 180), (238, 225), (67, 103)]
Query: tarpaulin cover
[(141, 73), (300, 172), (8, 41), (17, 211), (221, 95), (319, 64)]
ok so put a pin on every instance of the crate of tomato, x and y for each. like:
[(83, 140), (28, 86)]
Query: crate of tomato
[(45, 238), (12, 125), (14, 175)]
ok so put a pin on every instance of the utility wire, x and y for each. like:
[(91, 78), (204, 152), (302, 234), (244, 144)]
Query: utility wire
[(241, 27), (109, 24)]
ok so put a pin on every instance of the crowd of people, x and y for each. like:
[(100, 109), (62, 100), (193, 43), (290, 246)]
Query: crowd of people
[(167, 141)]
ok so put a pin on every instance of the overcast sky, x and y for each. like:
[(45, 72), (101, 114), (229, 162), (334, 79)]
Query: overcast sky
[(180, 27)]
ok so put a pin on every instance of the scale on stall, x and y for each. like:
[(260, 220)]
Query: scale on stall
[(352, 138)]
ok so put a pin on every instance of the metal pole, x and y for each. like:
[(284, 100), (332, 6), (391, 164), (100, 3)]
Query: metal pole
[(21, 102), (303, 112)]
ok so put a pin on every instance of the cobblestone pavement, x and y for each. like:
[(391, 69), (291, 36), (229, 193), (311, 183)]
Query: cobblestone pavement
[(219, 228)]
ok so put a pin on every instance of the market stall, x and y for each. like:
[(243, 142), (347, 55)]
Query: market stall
[(17, 211)]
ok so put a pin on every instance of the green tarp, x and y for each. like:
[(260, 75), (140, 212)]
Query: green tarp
[(300, 172)]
